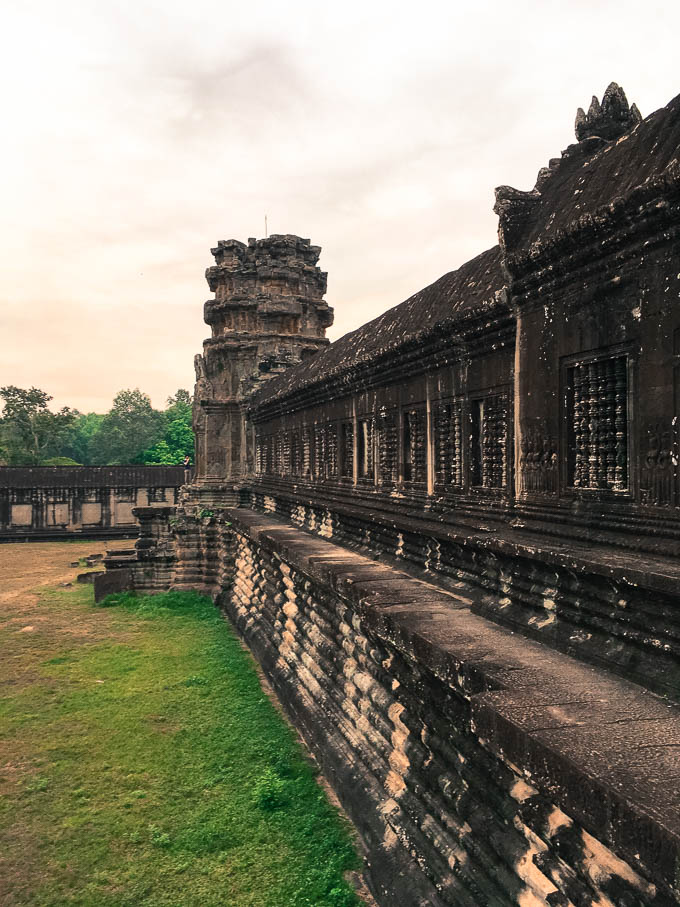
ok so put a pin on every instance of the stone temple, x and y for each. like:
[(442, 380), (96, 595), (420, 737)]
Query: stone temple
[(451, 537)]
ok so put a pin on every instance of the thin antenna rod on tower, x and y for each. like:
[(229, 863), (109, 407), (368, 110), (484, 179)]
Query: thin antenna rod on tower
[(265, 227)]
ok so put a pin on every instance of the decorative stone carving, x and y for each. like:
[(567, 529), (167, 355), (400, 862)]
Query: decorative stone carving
[(347, 450), (414, 446), (449, 443), (203, 389), (387, 447), (513, 207), (296, 453), (307, 446), (331, 448), (660, 465), (598, 424), (489, 441), (538, 461), (608, 120)]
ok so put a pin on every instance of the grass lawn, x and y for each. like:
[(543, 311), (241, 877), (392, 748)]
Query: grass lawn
[(142, 764)]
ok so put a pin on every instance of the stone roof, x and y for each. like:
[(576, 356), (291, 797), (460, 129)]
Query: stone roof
[(591, 175), (617, 153), (470, 291), (91, 476)]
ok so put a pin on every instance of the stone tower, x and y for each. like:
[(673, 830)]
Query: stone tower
[(268, 314)]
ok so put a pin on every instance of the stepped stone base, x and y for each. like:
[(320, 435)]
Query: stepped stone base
[(479, 767)]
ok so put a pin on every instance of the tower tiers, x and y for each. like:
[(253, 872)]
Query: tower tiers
[(268, 313)]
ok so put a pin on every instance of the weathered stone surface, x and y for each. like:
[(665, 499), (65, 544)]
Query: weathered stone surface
[(451, 539), (268, 314), (609, 120), (431, 715), (113, 580)]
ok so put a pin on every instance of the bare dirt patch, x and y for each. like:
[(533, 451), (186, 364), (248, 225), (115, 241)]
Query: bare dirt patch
[(26, 565), (25, 568), (35, 624)]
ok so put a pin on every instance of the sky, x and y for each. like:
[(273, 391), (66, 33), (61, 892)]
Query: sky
[(137, 134)]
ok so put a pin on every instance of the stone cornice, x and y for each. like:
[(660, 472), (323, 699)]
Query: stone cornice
[(647, 210), (243, 341), (605, 264)]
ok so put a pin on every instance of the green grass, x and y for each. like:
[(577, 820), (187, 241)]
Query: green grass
[(145, 766)]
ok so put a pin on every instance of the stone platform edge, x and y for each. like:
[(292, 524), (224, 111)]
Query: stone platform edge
[(604, 749)]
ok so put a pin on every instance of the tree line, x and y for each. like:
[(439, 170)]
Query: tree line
[(132, 431)]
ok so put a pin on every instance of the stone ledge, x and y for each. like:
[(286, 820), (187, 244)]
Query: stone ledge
[(111, 581), (604, 749), (657, 572)]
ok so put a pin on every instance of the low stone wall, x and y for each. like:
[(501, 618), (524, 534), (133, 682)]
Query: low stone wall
[(45, 502), (479, 767), (615, 609)]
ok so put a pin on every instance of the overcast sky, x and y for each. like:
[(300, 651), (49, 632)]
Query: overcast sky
[(137, 134)]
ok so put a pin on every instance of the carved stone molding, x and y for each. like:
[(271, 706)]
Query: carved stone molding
[(659, 466), (538, 460)]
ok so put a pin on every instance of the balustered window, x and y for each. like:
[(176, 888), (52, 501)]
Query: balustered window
[(489, 441), (318, 451), (307, 444), (61, 495), (414, 445), (386, 428), (366, 449), (265, 455), (285, 451), (261, 455), (278, 454), (448, 432), (597, 424), (332, 448), (347, 450), (326, 451), (296, 453)]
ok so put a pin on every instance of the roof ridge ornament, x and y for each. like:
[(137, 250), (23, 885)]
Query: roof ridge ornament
[(608, 120)]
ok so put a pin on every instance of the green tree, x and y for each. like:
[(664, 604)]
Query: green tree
[(160, 455), (78, 439), (130, 427), (182, 400), (29, 431), (178, 439)]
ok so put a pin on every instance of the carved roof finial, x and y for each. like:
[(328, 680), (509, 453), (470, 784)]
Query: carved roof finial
[(594, 111), (608, 120)]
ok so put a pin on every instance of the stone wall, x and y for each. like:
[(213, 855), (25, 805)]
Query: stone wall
[(45, 502), (479, 768), (515, 426), (593, 603)]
